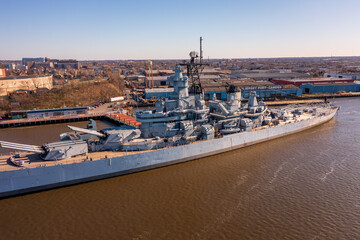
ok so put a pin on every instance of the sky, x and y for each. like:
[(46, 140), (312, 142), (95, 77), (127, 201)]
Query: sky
[(169, 29)]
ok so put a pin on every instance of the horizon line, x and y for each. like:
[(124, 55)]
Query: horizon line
[(182, 59)]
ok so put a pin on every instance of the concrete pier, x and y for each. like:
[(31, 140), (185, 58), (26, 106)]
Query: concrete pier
[(117, 118)]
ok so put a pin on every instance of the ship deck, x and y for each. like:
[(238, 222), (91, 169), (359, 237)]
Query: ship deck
[(33, 160)]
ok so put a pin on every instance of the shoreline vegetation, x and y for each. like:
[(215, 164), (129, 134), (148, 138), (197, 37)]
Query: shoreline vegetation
[(70, 95)]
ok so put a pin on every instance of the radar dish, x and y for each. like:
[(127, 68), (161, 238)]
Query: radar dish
[(194, 54)]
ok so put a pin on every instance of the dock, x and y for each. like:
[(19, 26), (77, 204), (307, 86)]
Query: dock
[(287, 102), (123, 119), (117, 118)]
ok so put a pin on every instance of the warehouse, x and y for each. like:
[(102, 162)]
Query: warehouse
[(300, 81), (261, 91), (310, 88), (264, 89), (48, 112), (158, 92), (321, 85)]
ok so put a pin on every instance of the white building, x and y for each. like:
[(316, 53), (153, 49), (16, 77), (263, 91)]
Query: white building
[(354, 76)]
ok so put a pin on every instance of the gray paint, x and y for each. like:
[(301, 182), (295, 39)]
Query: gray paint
[(34, 179)]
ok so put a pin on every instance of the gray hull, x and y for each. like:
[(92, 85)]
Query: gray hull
[(35, 179)]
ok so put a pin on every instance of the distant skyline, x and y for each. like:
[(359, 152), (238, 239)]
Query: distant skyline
[(159, 29)]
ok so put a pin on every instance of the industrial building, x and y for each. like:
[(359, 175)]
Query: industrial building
[(263, 89), (159, 93), (48, 112), (64, 64), (160, 77), (266, 83), (13, 66), (354, 76), (321, 85), (159, 81), (44, 65), (310, 88), (215, 84), (2, 73), (50, 63), (10, 66), (32, 60), (218, 88), (300, 81), (267, 75)]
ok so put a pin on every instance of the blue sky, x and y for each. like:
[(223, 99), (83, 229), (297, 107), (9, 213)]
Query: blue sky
[(140, 29)]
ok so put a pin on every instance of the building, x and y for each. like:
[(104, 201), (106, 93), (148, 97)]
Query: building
[(48, 112), (300, 81), (135, 81), (214, 84), (160, 77), (32, 60), (28, 83), (10, 66), (267, 75), (354, 76), (310, 88), (166, 72), (159, 93), (136, 78), (2, 73), (44, 65), (64, 64), (20, 67), (158, 81), (161, 72), (13, 66), (321, 85), (264, 89)]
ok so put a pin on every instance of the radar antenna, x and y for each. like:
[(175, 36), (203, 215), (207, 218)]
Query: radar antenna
[(194, 69)]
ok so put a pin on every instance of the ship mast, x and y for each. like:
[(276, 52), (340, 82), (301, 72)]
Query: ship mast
[(194, 69)]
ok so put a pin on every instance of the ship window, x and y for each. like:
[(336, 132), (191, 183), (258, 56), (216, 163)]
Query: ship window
[(58, 113), (307, 90)]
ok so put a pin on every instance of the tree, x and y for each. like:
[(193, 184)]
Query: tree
[(117, 80)]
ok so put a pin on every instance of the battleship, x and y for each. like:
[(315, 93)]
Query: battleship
[(181, 128)]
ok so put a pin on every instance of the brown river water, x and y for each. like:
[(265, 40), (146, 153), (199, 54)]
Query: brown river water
[(302, 186)]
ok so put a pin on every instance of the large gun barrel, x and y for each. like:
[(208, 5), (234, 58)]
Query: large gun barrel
[(84, 130), (22, 147)]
